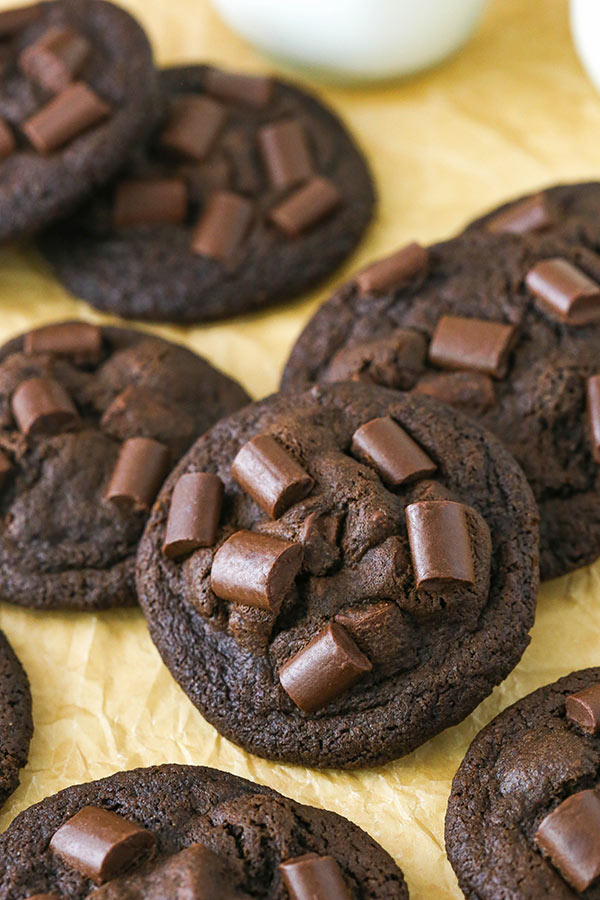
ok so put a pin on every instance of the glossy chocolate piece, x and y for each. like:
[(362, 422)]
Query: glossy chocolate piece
[(100, 844), (139, 472), (194, 514), (530, 215), (55, 58), (440, 544), (149, 201), (8, 144), (313, 877), (42, 406), (326, 668), (193, 127), (223, 226), (570, 836), (78, 340), (471, 391), (250, 90), (64, 118), (593, 414), (13, 20), (285, 153), (383, 633), (255, 569), (394, 271), (583, 709), (270, 475), (6, 468), (384, 445), (565, 291), (472, 344), (305, 207)]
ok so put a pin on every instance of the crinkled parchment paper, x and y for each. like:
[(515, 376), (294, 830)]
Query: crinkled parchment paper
[(512, 112)]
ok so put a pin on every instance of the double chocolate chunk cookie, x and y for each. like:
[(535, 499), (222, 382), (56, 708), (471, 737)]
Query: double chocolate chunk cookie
[(16, 725), (523, 819), (249, 192), (78, 90), (91, 421), (334, 577), (503, 323), (189, 833)]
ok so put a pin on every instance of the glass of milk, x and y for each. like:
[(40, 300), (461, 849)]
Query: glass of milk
[(585, 26)]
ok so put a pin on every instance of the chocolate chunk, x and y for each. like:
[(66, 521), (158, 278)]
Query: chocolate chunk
[(313, 877), (255, 569), (141, 411), (65, 117), (393, 361), (270, 475), (532, 214), (319, 537), (244, 165), (205, 178), (149, 201), (193, 514), (440, 545), (565, 291), (252, 90), (570, 835), (13, 20), (383, 633), (193, 127), (55, 58), (8, 144), (78, 340), (394, 271), (593, 412), (100, 844), (327, 667), (42, 406), (306, 206), (285, 153), (470, 391), (383, 444), (6, 468), (472, 344), (223, 226), (139, 472), (583, 709)]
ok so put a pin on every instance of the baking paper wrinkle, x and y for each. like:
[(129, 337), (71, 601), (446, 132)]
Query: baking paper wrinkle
[(510, 114)]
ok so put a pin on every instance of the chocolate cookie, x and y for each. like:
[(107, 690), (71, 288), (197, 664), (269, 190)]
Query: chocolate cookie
[(336, 576), (186, 832), (523, 818), (78, 90), (16, 725), (504, 325), (248, 193), (91, 421)]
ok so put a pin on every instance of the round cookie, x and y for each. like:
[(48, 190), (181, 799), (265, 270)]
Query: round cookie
[(533, 761), (87, 411), (303, 625), (240, 833), (525, 377), (78, 90), (186, 234), (16, 724)]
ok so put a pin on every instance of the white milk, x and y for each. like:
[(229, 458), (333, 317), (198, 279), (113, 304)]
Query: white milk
[(585, 26)]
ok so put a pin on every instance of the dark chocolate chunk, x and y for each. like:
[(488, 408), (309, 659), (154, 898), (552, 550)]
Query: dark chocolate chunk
[(570, 835), (383, 444), (150, 201), (327, 667), (203, 179), (6, 468), (42, 406), (384, 634), (306, 206), (193, 514), (252, 90), (255, 569), (193, 127), (583, 709), (392, 361), (13, 20), (68, 115), (8, 144), (470, 391), (472, 344), (285, 153), (394, 271), (78, 340), (565, 291), (532, 214), (55, 58), (270, 475), (313, 877), (139, 472), (223, 226), (101, 844), (440, 545), (593, 412)]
